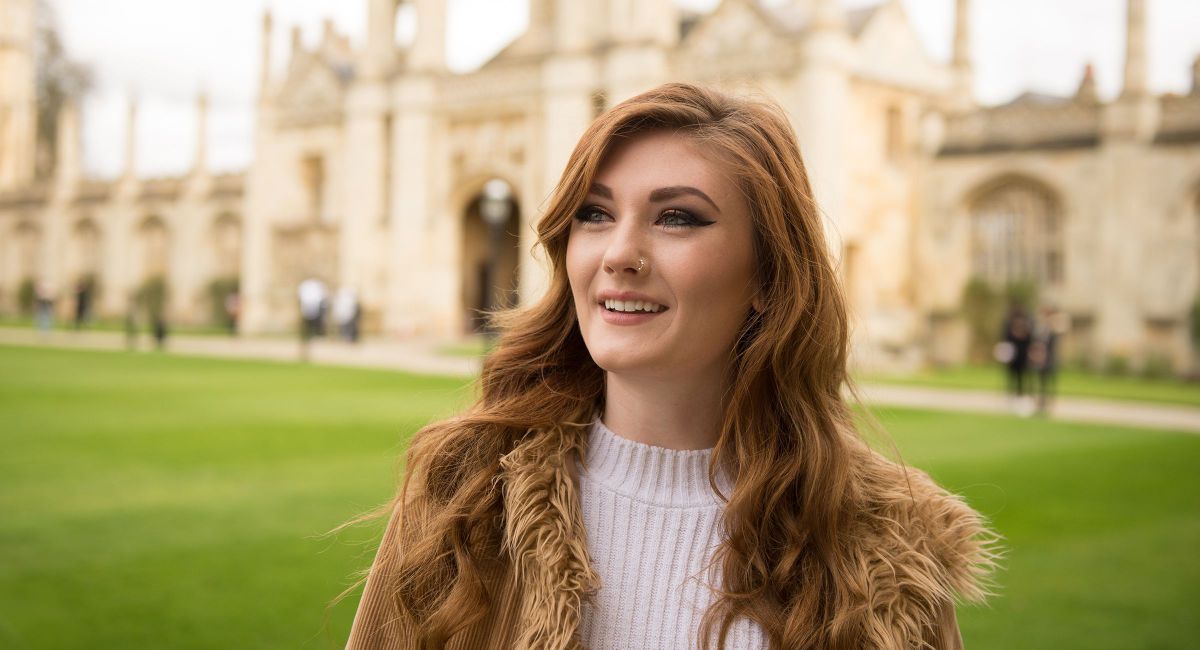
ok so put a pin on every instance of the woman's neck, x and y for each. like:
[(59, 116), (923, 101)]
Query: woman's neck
[(675, 414)]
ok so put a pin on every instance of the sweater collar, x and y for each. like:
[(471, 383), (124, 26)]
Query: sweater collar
[(669, 478)]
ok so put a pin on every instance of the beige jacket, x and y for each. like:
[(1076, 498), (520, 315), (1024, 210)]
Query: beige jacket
[(919, 551)]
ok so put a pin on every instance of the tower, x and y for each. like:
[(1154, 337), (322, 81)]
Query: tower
[(18, 94), (962, 92)]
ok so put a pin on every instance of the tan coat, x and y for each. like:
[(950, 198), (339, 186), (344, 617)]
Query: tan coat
[(918, 551)]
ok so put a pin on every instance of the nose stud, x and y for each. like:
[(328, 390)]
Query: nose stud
[(641, 265)]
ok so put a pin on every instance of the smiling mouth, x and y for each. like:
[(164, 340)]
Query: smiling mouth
[(632, 307)]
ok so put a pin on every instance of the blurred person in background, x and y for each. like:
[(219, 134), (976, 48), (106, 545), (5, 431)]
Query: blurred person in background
[(1043, 354), (346, 313), (679, 382), (312, 296), (44, 307), (233, 311), (1017, 337), (83, 301), (159, 327), (132, 306)]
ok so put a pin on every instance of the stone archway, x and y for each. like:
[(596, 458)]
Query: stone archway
[(490, 252)]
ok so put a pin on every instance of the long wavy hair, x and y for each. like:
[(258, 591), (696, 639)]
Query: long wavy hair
[(787, 434)]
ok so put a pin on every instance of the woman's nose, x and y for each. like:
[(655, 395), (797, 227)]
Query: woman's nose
[(624, 252)]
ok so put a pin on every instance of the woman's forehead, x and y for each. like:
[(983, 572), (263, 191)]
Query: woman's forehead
[(663, 158)]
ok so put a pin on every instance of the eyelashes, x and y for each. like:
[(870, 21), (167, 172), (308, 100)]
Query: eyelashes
[(671, 219)]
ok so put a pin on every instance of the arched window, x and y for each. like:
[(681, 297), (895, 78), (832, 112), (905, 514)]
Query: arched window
[(227, 244), (153, 238), (85, 243), (1017, 234), (28, 240)]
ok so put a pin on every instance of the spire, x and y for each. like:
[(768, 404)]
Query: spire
[(962, 34), (265, 72), (131, 139), (201, 165), (1087, 86), (827, 15), (380, 54), (960, 64), (1135, 48), (297, 40), (1196, 76), (428, 52)]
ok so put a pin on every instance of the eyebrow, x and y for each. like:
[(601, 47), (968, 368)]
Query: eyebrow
[(661, 194)]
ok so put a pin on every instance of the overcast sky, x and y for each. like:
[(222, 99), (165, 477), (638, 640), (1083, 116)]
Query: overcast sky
[(166, 50)]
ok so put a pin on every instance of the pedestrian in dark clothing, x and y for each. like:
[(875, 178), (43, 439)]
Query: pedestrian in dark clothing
[(83, 302), (1018, 335), (160, 332), (131, 323), (1043, 354)]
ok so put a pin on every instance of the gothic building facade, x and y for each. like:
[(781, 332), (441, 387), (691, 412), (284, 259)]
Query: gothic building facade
[(370, 165)]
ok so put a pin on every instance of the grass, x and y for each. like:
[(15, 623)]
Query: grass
[(112, 325), (173, 502), (1070, 382)]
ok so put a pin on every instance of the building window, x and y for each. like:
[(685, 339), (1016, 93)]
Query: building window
[(153, 235), (1017, 235), (894, 134), (313, 174)]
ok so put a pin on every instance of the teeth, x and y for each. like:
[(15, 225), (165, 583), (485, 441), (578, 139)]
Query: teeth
[(632, 306)]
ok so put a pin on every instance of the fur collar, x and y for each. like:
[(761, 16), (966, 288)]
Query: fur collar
[(917, 548)]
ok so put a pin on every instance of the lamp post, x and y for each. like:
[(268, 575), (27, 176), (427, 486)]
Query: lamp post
[(496, 208)]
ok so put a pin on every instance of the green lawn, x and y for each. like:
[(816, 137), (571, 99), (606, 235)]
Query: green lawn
[(170, 502), (1070, 382), (111, 325)]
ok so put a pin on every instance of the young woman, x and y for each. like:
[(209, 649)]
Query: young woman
[(661, 455)]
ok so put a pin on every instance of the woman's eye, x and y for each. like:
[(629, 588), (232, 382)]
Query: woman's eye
[(681, 219), (590, 214)]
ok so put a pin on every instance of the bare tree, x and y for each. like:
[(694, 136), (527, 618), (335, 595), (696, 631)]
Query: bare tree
[(59, 81)]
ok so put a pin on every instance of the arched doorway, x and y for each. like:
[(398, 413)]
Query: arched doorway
[(490, 250)]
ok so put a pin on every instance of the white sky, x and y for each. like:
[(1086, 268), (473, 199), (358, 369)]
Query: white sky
[(166, 50)]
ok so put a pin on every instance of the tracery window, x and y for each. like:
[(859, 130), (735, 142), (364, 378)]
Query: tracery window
[(1017, 235)]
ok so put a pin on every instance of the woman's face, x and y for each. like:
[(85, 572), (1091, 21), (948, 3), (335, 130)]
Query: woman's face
[(659, 202)]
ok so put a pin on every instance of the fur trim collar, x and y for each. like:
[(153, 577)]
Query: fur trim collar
[(917, 548), (546, 540)]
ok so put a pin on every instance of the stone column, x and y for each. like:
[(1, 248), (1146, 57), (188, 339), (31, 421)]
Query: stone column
[(1129, 124), (18, 100), (414, 181), (566, 112), (366, 216)]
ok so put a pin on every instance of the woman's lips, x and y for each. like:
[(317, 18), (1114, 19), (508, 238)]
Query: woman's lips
[(625, 317)]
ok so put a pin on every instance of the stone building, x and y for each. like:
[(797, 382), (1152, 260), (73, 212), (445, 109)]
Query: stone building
[(60, 227), (371, 163)]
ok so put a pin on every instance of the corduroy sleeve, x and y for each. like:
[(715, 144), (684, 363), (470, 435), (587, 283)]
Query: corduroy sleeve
[(377, 624)]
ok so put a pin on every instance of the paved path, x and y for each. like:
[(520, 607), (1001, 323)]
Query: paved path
[(421, 357)]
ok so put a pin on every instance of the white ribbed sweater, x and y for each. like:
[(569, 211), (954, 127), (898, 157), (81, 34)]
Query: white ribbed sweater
[(652, 524)]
